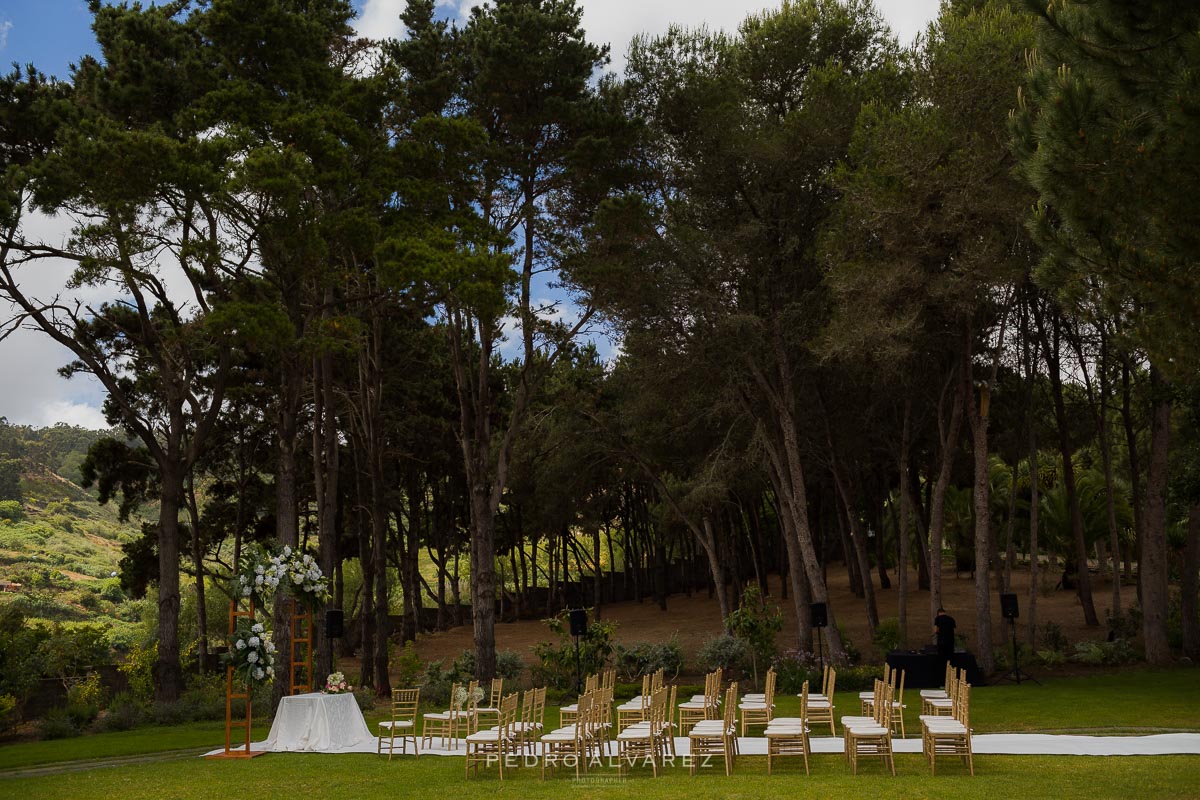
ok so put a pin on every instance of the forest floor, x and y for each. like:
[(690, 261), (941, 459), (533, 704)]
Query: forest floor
[(693, 620)]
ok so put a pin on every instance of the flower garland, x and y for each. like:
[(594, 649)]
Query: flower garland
[(251, 654), (262, 573), (305, 581), (336, 684)]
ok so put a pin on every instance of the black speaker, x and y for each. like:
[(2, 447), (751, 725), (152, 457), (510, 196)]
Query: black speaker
[(1008, 606), (820, 617), (333, 623), (579, 622)]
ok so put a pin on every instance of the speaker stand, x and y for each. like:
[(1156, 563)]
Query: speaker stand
[(1016, 674)]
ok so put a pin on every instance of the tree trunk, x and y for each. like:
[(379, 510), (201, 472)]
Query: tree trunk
[(902, 529), (198, 560), (1153, 567), (983, 528), (168, 678), (287, 515), (937, 502), (1189, 586), (325, 484)]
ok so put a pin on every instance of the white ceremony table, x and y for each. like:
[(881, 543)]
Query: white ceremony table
[(318, 722)]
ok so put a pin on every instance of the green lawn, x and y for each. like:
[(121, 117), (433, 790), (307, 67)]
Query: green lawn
[(1139, 701), (367, 776)]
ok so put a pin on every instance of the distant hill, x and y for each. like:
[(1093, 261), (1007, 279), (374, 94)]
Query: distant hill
[(59, 548)]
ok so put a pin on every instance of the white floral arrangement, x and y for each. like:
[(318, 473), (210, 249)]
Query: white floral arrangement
[(462, 697), (336, 684), (264, 572), (251, 654), (304, 579), (258, 578)]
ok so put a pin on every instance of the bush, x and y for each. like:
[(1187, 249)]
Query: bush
[(1125, 626), (853, 656), (1053, 638), (8, 711), (435, 684), (1115, 652), (557, 665), (795, 667), (365, 698), (726, 652), (1051, 658), (408, 666), (856, 679), (204, 698), (756, 624), (887, 636), (138, 670), (124, 713), (644, 658), (11, 510), (58, 724), (509, 665)]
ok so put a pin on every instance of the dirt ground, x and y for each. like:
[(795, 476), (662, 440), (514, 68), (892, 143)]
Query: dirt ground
[(692, 620)]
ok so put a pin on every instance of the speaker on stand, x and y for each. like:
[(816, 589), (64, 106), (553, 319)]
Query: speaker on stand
[(1010, 610), (819, 615), (579, 624)]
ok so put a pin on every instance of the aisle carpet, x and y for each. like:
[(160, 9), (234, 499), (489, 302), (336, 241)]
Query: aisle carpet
[(1023, 744)]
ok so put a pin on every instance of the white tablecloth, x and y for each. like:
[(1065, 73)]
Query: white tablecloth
[(317, 722)]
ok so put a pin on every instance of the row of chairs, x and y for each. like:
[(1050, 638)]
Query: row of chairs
[(949, 734)]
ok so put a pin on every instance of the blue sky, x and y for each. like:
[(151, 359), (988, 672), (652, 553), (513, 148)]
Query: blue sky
[(52, 34)]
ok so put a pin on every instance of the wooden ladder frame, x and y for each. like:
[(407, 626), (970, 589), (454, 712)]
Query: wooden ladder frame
[(243, 750), (302, 629)]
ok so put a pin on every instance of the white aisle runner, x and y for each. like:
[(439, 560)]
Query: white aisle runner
[(1022, 744)]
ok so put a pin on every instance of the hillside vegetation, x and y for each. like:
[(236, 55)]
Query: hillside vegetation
[(60, 549)]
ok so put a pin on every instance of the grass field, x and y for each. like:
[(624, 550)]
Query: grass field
[(161, 762)]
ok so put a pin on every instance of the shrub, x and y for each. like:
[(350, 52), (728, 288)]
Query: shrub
[(172, 713), (435, 684), (756, 624), (11, 510), (557, 665), (1051, 657), (204, 698), (89, 691), (57, 724), (726, 652), (509, 665), (795, 667), (1117, 651), (124, 713), (887, 636), (853, 656), (644, 658), (8, 711), (856, 679), (138, 670), (365, 698), (1124, 626), (408, 666), (1053, 638)]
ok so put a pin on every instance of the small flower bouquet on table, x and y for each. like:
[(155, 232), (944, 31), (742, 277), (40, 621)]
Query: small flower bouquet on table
[(336, 684), (251, 654)]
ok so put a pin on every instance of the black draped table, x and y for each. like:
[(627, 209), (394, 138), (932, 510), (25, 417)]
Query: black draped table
[(926, 670)]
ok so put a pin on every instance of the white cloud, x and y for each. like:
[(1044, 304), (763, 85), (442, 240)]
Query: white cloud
[(5, 27), (380, 19), (81, 414)]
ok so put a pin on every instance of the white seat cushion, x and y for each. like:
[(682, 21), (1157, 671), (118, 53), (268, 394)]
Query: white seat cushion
[(870, 731), (403, 723)]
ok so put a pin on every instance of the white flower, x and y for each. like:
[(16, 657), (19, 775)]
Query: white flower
[(297, 577), (258, 674), (258, 580), (246, 592), (271, 671), (241, 644), (257, 627), (287, 550), (252, 656), (254, 641), (269, 646), (259, 569)]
